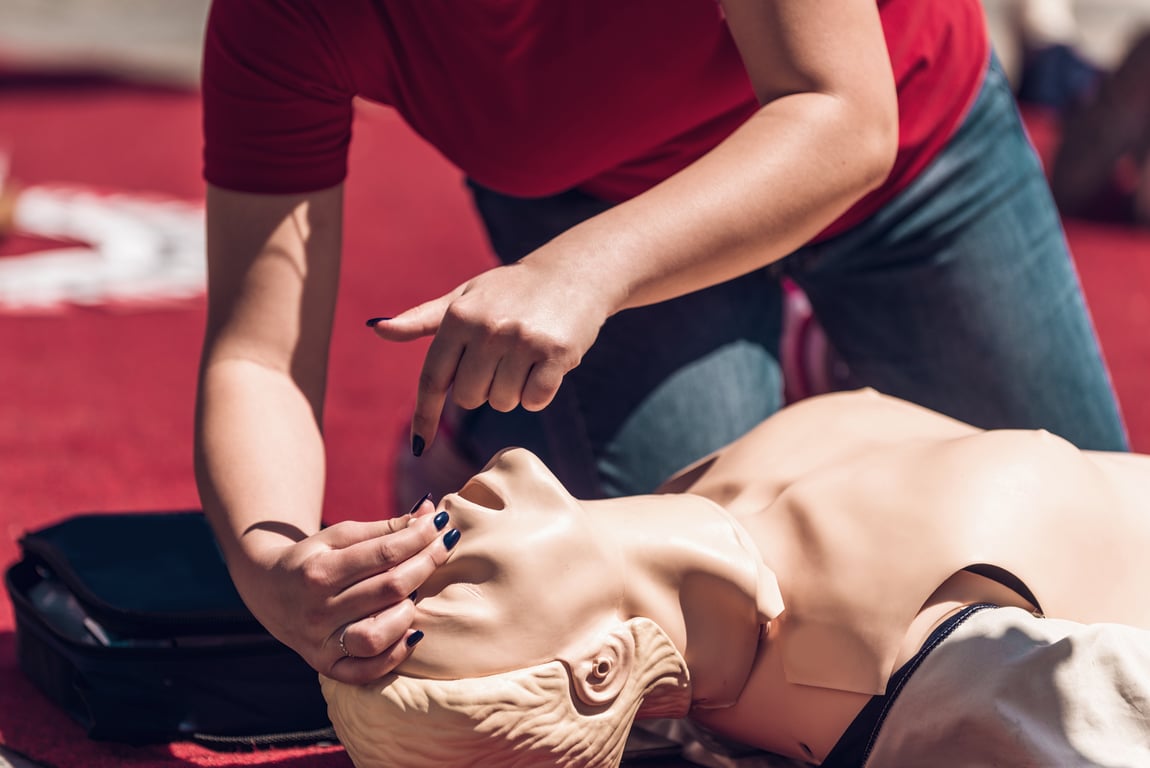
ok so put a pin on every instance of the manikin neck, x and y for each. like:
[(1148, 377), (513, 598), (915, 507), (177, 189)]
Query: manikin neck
[(694, 571)]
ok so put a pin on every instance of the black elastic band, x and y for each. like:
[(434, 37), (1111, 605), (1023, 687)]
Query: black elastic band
[(854, 746)]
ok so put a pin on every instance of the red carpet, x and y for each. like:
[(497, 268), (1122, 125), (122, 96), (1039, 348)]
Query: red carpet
[(96, 404)]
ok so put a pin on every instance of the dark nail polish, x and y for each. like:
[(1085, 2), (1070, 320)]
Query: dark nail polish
[(414, 638), (441, 520), (451, 538), (419, 503), (376, 321), (417, 445), (413, 595)]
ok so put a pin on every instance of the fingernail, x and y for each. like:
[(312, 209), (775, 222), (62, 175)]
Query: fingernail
[(441, 520), (376, 321), (451, 538), (414, 638), (413, 595), (419, 503), (417, 445)]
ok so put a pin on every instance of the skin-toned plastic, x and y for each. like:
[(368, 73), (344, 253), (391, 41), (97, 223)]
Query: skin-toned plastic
[(768, 593)]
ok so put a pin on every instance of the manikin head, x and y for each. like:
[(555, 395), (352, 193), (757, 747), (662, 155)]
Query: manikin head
[(546, 634)]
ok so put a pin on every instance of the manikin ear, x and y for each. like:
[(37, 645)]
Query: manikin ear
[(601, 669)]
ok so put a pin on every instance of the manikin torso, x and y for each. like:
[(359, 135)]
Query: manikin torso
[(870, 511)]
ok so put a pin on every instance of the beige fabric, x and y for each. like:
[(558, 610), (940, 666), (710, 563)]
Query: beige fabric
[(1009, 689)]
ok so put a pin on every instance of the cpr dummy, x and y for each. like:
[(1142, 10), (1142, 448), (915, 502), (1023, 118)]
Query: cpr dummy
[(767, 593)]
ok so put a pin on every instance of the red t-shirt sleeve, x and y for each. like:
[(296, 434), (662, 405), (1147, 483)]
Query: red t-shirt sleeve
[(277, 99)]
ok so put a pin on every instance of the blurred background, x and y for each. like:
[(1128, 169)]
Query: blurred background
[(149, 40), (101, 270), (1102, 30)]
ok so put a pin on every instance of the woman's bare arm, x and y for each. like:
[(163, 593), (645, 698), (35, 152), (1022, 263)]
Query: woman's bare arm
[(825, 135), (273, 264), (273, 273)]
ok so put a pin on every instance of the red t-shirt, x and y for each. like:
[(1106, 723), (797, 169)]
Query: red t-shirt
[(534, 97)]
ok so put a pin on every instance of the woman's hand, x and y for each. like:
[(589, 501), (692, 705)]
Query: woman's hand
[(506, 337), (341, 597)]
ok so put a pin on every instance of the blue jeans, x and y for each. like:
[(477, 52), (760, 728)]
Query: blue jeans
[(959, 295)]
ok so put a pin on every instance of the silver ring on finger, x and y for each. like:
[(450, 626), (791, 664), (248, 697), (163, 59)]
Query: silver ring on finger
[(343, 645)]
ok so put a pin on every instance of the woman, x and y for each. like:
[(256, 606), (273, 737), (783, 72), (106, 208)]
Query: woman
[(647, 171)]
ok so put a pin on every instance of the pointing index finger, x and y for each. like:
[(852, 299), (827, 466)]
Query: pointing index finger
[(439, 369)]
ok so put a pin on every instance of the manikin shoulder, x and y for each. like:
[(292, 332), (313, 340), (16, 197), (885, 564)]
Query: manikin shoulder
[(805, 438)]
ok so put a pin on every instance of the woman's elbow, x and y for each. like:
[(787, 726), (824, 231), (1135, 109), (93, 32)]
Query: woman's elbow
[(876, 147)]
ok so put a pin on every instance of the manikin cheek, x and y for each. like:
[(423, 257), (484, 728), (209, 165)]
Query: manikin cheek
[(488, 639)]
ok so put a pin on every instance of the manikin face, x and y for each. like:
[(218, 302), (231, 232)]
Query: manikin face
[(555, 623), (528, 579)]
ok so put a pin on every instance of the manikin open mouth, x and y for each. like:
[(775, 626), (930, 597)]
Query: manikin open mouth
[(487, 488), (481, 491)]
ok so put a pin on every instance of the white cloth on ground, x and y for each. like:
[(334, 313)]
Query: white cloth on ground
[(1010, 689)]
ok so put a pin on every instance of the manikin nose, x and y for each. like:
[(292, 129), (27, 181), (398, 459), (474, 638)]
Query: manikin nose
[(516, 459), (513, 467)]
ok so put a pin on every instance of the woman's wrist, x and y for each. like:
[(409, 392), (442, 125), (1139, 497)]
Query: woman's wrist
[(258, 548), (589, 258)]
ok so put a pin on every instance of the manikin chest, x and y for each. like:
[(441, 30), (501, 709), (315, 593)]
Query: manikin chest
[(859, 548)]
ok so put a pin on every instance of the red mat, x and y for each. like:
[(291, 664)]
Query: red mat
[(96, 404)]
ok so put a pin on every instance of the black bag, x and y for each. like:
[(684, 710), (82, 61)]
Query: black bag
[(131, 624)]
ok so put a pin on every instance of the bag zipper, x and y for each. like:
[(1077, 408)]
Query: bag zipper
[(315, 737)]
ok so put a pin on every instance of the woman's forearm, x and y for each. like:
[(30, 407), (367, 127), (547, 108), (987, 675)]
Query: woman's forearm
[(273, 272), (259, 459), (337, 596), (827, 134), (769, 188)]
